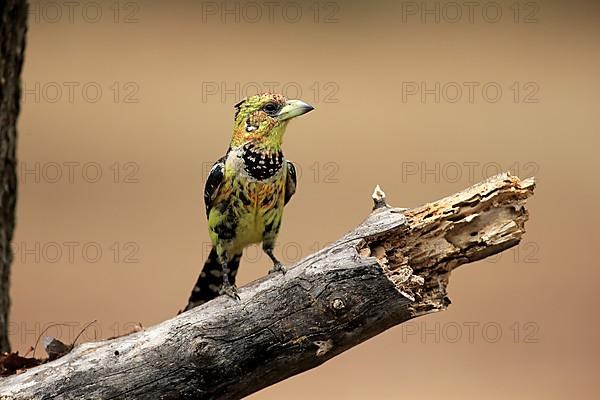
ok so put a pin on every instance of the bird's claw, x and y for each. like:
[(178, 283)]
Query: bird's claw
[(278, 267), (231, 291)]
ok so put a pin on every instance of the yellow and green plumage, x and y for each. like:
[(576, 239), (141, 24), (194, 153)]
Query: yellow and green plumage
[(246, 191)]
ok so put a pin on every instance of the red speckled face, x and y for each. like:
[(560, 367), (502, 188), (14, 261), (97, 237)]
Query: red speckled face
[(262, 119)]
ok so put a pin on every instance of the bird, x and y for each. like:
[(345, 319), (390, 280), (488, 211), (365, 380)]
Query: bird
[(246, 191)]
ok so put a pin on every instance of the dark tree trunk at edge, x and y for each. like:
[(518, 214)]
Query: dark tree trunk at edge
[(13, 25)]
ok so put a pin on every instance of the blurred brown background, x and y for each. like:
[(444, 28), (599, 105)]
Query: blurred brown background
[(127, 104)]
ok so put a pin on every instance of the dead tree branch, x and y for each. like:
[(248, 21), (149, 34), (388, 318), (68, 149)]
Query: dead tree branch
[(393, 267)]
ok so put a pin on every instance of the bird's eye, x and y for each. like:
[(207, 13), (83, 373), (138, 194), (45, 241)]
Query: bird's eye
[(270, 108)]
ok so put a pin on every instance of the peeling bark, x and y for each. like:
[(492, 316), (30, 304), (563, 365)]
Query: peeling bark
[(392, 268)]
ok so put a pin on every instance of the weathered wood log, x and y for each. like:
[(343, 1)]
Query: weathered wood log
[(392, 268)]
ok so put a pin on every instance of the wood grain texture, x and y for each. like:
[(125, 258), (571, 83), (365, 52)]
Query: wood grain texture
[(13, 17), (391, 268)]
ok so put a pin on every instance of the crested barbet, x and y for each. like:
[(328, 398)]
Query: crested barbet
[(246, 191)]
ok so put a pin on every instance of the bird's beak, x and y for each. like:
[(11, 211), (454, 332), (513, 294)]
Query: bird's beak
[(294, 108)]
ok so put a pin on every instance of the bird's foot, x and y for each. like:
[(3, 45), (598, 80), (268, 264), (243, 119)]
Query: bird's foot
[(278, 267), (230, 290)]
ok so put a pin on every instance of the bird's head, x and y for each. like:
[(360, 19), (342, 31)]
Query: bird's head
[(261, 119)]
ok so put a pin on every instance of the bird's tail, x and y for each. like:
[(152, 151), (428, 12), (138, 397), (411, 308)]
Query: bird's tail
[(210, 281)]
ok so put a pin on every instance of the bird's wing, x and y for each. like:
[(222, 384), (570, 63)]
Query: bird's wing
[(290, 182), (213, 182)]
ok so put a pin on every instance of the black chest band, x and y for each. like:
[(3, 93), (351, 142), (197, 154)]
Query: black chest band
[(261, 165)]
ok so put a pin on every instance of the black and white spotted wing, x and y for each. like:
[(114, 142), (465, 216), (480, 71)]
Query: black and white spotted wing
[(290, 182), (213, 181)]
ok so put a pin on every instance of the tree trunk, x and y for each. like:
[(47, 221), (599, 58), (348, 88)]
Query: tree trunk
[(13, 17), (392, 268)]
